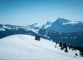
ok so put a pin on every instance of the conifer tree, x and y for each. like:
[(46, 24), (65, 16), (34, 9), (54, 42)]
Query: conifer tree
[(36, 37), (56, 44), (69, 47), (66, 50), (76, 54), (64, 45), (77, 48), (82, 51), (60, 44)]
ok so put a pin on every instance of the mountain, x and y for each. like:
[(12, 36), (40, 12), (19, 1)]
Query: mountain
[(65, 26), (35, 25), (47, 25), (73, 38), (68, 31), (6, 30), (21, 46), (60, 25)]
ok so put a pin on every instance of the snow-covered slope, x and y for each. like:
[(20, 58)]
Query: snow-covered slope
[(25, 47)]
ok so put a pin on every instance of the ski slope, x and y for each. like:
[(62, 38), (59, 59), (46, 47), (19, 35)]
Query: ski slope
[(26, 47)]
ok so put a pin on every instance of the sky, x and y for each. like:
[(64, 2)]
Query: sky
[(26, 12)]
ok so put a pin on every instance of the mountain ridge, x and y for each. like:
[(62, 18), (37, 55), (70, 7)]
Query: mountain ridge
[(73, 37), (59, 25), (65, 26)]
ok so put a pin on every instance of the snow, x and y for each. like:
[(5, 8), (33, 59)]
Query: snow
[(32, 29), (37, 25), (2, 29), (35, 30), (59, 32), (62, 25), (16, 28), (47, 25), (71, 22), (46, 34), (25, 47), (6, 27), (34, 25), (65, 21), (65, 37)]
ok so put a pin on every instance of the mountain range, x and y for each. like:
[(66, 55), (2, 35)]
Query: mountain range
[(59, 25), (61, 29), (64, 25)]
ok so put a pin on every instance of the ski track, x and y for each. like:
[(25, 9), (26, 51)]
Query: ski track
[(26, 47), (42, 48)]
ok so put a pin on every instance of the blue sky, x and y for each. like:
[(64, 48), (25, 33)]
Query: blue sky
[(25, 12)]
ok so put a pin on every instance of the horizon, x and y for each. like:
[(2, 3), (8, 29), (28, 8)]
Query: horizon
[(26, 12), (42, 24)]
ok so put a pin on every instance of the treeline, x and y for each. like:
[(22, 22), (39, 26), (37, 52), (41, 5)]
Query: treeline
[(65, 47)]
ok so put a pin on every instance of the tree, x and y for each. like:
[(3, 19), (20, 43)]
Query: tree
[(64, 45), (66, 50), (69, 47), (36, 37), (77, 48), (76, 54), (60, 44), (56, 44), (81, 51), (74, 48)]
